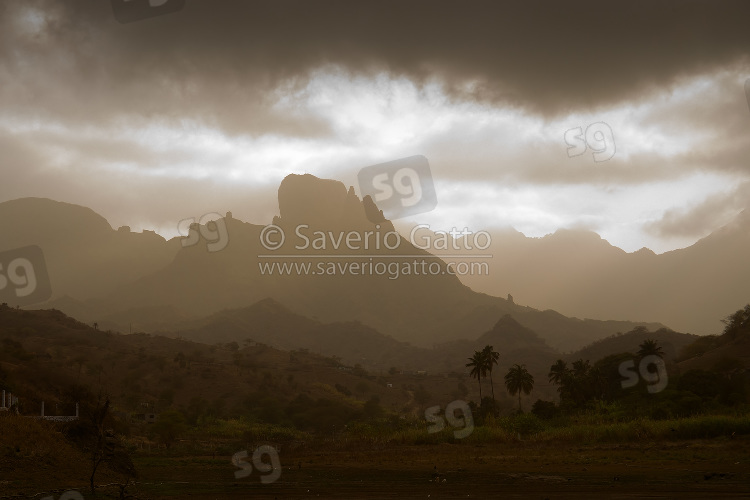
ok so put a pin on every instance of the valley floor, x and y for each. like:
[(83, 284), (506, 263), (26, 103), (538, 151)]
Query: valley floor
[(691, 469)]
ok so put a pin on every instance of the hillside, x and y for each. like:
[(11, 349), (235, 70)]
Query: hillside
[(725, 353), (47, 356), (671, 343)]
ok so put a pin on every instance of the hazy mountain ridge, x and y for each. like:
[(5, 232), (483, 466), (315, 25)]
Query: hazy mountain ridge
[(85, 257), (514, 342), (192, 282), (271, 323), (689, 289)]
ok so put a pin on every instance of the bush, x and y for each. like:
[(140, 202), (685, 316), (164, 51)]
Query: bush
[(545, 410), (705, 384), (343, 390), (525, 424)]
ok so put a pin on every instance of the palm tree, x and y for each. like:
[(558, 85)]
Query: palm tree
[(490, 359), (476, 362), (581, 368), (650, 347), (518, 380), (576, 381), (557, 372)]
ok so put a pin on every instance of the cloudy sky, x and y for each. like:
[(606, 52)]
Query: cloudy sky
[(207, 108)]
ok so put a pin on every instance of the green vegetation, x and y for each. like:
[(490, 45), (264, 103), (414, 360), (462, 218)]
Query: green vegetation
[(594, 427), (216, 400)]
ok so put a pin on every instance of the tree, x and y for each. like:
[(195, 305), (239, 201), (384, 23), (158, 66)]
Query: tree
[(649, 348), (100, 443), (490, 359), (544, 409), (583, 382), (518, 380), (581, 368), (169, 426), (737, 322), (557, 372), (476, 363)]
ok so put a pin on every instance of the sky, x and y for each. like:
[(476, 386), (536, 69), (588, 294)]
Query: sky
[(207, 109)]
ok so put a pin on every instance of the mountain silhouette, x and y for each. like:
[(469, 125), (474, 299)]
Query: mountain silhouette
[(513, 342), (85, 257), (141, 280), (578, 273), (269, 322)]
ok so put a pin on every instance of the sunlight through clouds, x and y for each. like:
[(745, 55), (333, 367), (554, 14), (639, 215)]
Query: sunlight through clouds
[(511, 165)]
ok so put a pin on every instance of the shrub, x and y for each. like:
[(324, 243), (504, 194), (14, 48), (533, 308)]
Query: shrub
[(545, 410)]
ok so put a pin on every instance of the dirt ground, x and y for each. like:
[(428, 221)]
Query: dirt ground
[(686, 470), (648, 470)]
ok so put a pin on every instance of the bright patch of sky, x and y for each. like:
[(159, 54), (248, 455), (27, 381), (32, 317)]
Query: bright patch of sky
[(384, 118)]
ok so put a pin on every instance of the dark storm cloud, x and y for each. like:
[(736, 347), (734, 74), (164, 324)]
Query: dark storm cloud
[(548, 57), (234, 69), (71, 62)]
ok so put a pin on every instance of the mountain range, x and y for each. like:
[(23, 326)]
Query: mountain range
[(578, 273), (131, 281)]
